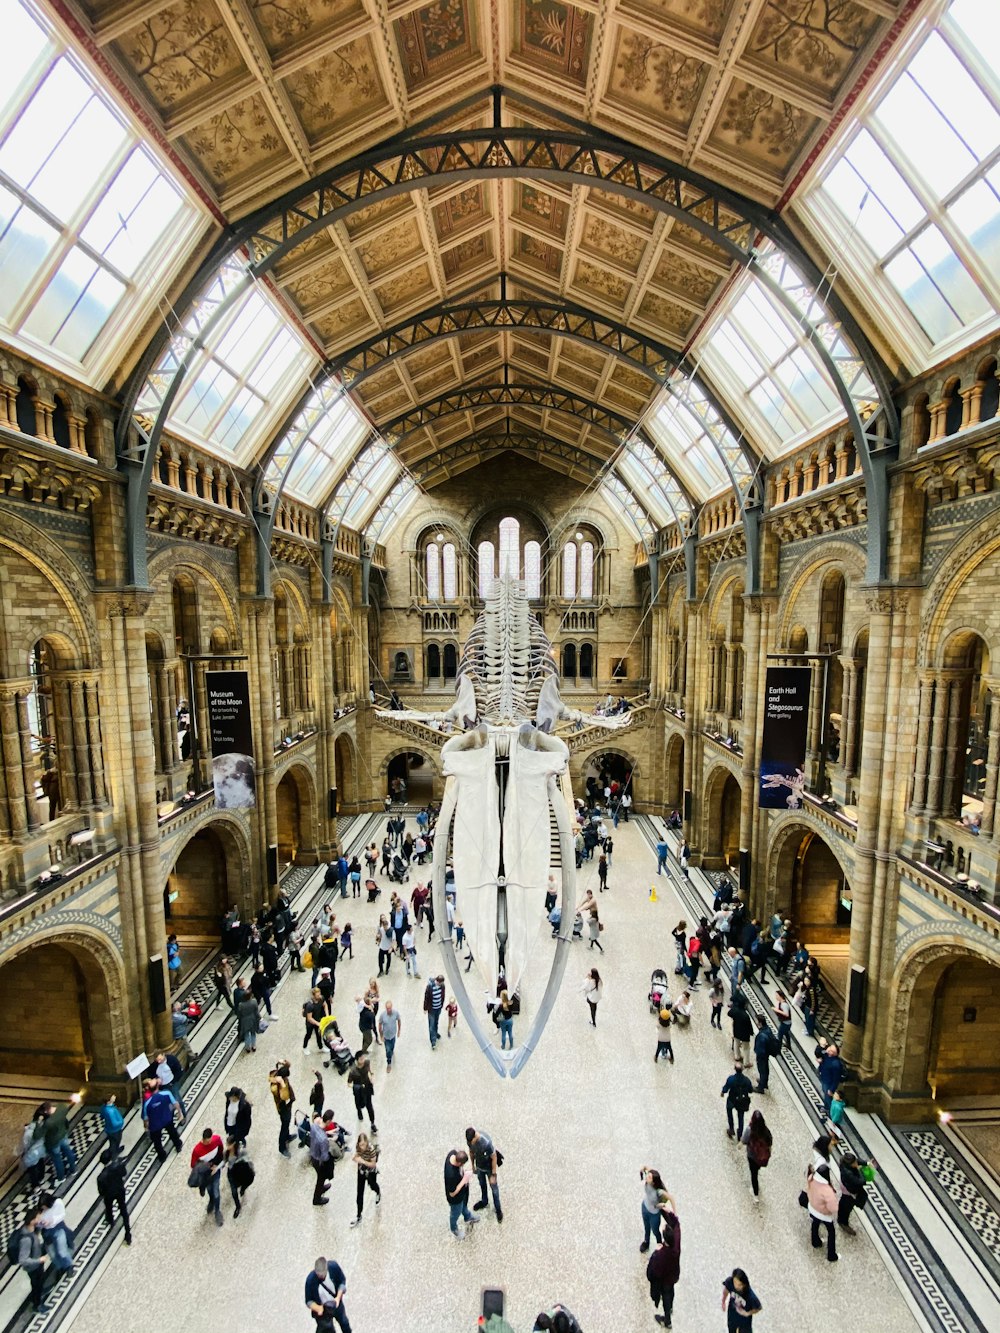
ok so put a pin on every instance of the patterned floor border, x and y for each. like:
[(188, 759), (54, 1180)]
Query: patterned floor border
[(940, 1301), (93, 1237)]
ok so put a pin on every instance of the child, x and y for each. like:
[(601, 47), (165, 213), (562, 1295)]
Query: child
[(452, 1010), (459, 935), (682, 1009), (346, 943), (316, 1097), (837, 1108), (717, 995), (295, 951)]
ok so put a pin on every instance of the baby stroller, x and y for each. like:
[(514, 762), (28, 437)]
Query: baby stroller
[(338, 1134), (659, 986), (341, 1057), (398, 871)]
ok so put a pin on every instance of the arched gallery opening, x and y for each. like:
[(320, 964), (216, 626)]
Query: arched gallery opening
[(673, 777), (415, 772), (812, 889), (202, 885), (722, 812), (611, 767), (347, 787), (296, 819), (951, 1052)]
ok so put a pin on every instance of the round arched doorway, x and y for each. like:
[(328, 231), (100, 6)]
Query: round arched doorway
[(410, 777), (811, 888), (296, 819), (202, 885), (722, 821)]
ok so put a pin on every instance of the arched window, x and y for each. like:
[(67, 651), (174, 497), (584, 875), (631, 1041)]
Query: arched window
[(487, 573), (569, 661), (449, 566), (24, 408), (586, 661), (510, 552), (433, 661), (569, 570), (533, 569), (587, 571), (450, 661), (60, 424), (433, 573)]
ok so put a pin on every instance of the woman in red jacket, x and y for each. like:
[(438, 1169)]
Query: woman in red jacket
[(664, 1267)]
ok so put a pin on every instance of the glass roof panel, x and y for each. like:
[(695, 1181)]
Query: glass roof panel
[(907, 195), (91, 223), (622, 500), (646, 472), (392, 508), (325, 436)]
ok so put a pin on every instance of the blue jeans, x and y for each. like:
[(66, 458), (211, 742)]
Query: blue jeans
[(390, 1045), (785, 1034), (506, 1032), (212, 1185), (650, 1223), (63, 1158), (810, 1018), (458, 1210), (661, 862), (484, 1180), (432, 1025)]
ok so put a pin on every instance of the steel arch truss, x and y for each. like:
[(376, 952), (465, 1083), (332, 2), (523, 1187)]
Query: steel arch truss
[(574, 156)]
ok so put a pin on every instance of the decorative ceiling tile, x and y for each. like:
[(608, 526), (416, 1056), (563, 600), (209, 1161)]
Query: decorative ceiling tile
[(693, 239), (538, 254), (405, 289), (582, 356), (326, 282), (579, 379), (613, 243), (431, 358), (666, 316), (337, 91), (814, 41), (541, 209), (238, 141), (467, 255), (294, 222), (681, 275), (653, 78), (630, 404), (599, 282), (288, 23), (436, 40), (632, 379), (376, 213), (705, 18), (762, 125), (333, 328), (553, 38), (393, 404), (460, 212), (621, 203), (180, 50), (389, 249), (383, 381)]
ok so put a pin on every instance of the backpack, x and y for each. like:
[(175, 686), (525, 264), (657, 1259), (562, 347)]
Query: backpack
[(14, 1245)]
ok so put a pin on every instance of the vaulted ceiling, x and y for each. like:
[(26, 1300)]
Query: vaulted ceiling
[(258, 96)]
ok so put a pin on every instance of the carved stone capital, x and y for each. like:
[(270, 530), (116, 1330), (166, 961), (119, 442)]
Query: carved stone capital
[(123, 602)]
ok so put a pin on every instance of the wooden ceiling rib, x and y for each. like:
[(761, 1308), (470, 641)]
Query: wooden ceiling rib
[(259, 95)]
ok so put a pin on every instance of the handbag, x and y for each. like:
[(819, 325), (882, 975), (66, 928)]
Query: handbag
[(600, 926), (803, 1199)]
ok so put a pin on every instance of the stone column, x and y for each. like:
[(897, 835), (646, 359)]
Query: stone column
[(815, 732), (156, 703), (27, 758), (81, 756), (732, 658), (849, 715), (62, 707), (200, 704), (992, 762), (868, 803), (95, 745), (753, 663), (17, 813), (924, 717), (163, 727), (939, 727), (261, 661), (951, 787)]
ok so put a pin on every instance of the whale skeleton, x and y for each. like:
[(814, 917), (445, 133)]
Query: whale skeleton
[(502, 776)]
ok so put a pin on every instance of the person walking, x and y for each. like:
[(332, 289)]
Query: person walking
[(852, 1190), (314, 1011), (679, 934), (366, 1157), (717, 997), (457, 1178), (663, 1270), (390, 1026), (485, 1162), (662, 852), (593, 993), (261, 991), (325, 1287), (823, 1207), (158, 1113), (410, 951), (742, 1025), (321, 1159), (783, 1013), (602, 871), (595, 927), (434, 996), (222, 976), (111, 1189), (31, 1256), (180, 1024), (736, 1090), (239, 1172), (385, 940), (693, 966), (656, 1202), (831, 1071), (248, 1022), (503, 1016), (740, 1302), (757, 1138), (206, 1160), (113, 1122), (55, 1134), (664, 1020), (684, 857), (765, 1044), (238, 1115), (366, 1021), (283, 1095), (737, 971), (360, 1081)]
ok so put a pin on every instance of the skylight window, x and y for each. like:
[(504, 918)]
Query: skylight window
[(623, 501), (363, 485), (231, 392), (88, 217), (678, 426), (910, 194), (392, 508), (645, 471)]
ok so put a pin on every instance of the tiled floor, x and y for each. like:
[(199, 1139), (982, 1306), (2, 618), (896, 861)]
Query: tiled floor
[(590, 1109)]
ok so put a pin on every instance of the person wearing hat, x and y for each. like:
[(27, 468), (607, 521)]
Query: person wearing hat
[(238, 1115)]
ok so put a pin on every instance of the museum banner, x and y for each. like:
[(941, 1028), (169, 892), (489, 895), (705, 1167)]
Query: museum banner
[(783, 741), (232, 739)]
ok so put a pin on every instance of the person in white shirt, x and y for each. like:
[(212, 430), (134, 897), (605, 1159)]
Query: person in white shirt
[(410, 950)]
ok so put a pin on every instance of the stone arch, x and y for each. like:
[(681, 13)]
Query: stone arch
[(210, 870), (39, 551), (720, 814), (673, 771), (975, 547), (842, 555), (295, 797), (423, 780), (430, 757), (166, 565), (347, 773), (920, 968), (787, 837), (99, 1030)]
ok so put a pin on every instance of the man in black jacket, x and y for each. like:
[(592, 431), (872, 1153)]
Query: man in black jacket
[(742, 1026), (456, 1191), (111, 1188), (736, 1090)]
